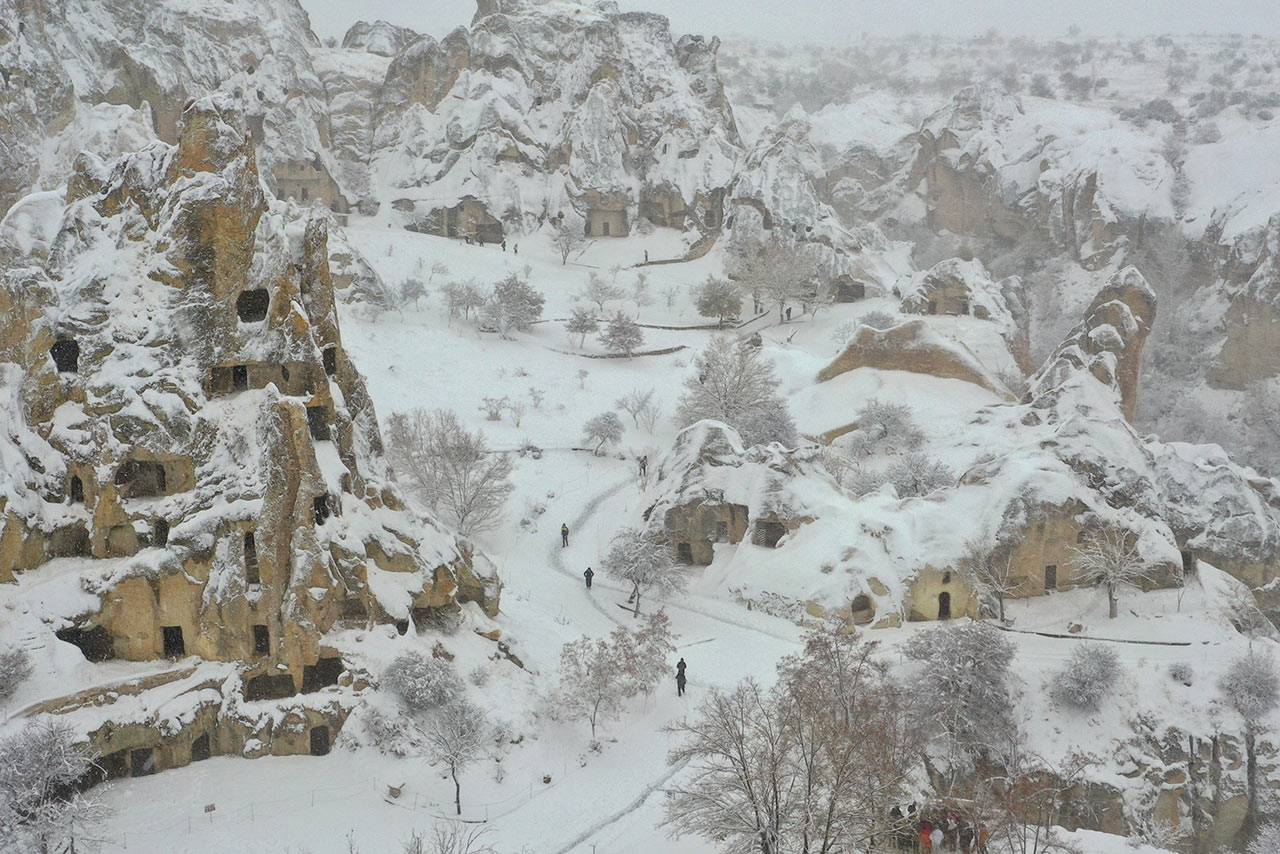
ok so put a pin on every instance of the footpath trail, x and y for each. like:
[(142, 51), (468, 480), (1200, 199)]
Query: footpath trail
[(722, 643)]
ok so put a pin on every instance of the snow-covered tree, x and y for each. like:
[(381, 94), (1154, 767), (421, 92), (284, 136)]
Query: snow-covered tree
[(40, 807), (604, 429), (567, 240), (15, 666), (591, 686), (1087, 677), (454, 837), (412, 290), (642, 558), (422, 683), (961, 695), (777, 271), (718, 298), (450, 469), (642, 655), (640, 292), (462, 298), (991, 575), (456, 736), (622, 335), (1251, 686), (600, 291), (733, 383), (636, 404), (582, 322), (1110, 559), (513, 305)]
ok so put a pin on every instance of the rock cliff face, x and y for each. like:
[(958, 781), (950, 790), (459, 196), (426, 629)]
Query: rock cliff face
[(186, 443)]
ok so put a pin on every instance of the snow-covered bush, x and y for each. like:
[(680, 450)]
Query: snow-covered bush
[(1089, 675), (15, 666), (916, 475), (422, 683), (883, 428), (878, 320), (604, 429), (599, 291), (1180, 671), (639, 405), (389, 734)]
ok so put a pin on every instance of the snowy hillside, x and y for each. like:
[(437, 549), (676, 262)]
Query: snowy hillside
[(384, 420)]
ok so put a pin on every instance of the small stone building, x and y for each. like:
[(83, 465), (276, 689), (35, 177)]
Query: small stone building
[(601, 222), (695, 527), (308, 182)]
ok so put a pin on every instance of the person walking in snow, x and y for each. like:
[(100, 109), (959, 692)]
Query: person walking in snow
[(935, 839), (515, 250), (680, 678), (644, 466), (788, 314), (504, 245), (564, 536), (646, 256), (588, 575)]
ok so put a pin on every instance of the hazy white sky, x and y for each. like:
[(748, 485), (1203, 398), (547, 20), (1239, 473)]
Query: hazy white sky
[(840, 20)]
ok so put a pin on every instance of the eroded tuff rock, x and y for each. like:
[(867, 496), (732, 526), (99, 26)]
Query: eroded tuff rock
[(188, 448), (1108, 344)]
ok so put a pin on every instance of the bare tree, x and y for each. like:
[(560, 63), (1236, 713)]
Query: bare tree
[(581, 323), (815, 764), (640, 292), (1021, 801), (669, 294), (567, 240), (604, 429), (622, 335), (449, 469), (1109, 558), (779, 272), (636, 404), (41, 810), (599, 291), (1251, 686), (453, 837), (733, 383), (643, 559), (591, 686), (456, 735), (991, 575)]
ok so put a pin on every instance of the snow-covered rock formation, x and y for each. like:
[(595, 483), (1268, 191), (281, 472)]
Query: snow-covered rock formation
[(191, 461)]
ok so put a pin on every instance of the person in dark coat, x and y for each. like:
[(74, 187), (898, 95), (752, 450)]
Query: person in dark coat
[(788, 313), (564, 536), (588, 575), (504, 246), (680, 678)]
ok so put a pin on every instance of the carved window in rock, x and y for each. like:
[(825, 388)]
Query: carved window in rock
[(261, 640), (66, 356), (1051, 577), (251, 306), (251, 572), (160, 532), (174, 645), (320, 509), (140, 479), (75, 490), (200, 748), (240, 378), (329, 356), (684, 552), (318, 422), (319, 741)]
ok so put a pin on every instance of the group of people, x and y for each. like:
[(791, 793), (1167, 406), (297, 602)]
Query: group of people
[(947, 832), (479, 240)]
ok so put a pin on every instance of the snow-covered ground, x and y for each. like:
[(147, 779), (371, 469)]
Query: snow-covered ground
[(553, 793)]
